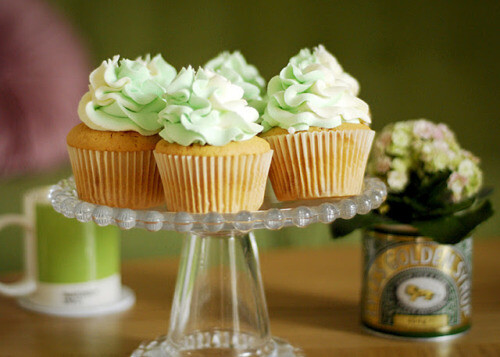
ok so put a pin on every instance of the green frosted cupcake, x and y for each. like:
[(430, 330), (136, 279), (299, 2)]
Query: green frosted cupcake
[(111, 152), (210, 158), (317, 127)]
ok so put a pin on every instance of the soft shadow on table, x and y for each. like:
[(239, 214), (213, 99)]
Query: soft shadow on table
[(156, 286), (106, 335), (326, 312)]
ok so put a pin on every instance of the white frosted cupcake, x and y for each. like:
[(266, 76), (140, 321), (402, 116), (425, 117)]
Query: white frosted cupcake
[(111, 152), (318, 129), (210, 158)]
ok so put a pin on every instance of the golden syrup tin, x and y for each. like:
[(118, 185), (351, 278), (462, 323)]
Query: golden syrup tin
[(414, 287)]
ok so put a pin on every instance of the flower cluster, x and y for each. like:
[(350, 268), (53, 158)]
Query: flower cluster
[(424, 148)]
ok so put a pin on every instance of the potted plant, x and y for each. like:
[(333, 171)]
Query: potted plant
[(418, 244)]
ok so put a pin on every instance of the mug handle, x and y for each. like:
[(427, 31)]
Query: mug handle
[(27, 284)]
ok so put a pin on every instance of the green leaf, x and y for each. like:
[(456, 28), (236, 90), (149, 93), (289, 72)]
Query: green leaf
[(430, 190), (452, 208), (437, 192), (453, 228), (408, 208), (485, 192), (342, 227)]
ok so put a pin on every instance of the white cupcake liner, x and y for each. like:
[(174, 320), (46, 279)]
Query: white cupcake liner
[(329, 163), (201, 184), (127, 179)]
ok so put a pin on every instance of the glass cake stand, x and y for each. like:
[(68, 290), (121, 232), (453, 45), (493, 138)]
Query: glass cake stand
[(219, 307)]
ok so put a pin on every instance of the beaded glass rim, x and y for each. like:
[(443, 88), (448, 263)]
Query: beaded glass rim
[(272, 215)]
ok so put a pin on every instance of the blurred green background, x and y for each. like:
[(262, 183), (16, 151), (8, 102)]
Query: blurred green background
[(434, 59)]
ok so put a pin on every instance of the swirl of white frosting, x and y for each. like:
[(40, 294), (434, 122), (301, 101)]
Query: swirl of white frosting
[(235, 68), (204, 107), (127, 95), (313, 90)]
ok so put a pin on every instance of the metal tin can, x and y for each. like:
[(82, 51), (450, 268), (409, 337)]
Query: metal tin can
[(414, 287)]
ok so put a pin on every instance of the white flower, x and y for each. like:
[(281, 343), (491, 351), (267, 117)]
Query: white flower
[(470, 156), (401, 141), (383, 165), (397, 180), (466, 168), (423, 129), (436, 155), (400, 138), (441, 145), (446, 132), (427, 148), (474, 183), (399, 164), (384, 140), (440, 161), (456, 184)]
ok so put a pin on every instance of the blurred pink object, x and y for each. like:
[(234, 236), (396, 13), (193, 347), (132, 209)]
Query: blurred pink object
[(43, 73)]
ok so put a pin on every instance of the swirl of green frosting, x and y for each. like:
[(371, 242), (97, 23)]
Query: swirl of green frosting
[(206, 108), (313, 90), (127, 95), (235, 68)]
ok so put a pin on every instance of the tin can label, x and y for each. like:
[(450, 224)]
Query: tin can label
[(415, 287)]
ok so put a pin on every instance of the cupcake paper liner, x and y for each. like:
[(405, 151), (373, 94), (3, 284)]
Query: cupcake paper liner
[(127, 179), (309, 165), (226, 184)]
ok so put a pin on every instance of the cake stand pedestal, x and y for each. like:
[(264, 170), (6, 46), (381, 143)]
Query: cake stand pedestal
[(219, 307)]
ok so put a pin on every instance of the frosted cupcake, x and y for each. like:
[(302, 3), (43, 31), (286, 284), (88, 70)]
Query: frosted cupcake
[(111, 152), (210, 158), (317, 128), (235, 68)]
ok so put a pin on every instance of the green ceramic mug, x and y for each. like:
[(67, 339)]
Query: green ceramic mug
[(68, 264)]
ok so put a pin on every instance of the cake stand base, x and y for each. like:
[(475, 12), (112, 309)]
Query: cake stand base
[(215, 344), (126, 301)]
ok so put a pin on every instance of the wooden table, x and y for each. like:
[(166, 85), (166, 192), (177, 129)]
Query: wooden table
[(313, 302)]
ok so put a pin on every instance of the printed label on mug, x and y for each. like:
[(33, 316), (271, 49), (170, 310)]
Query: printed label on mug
[(90, 293)]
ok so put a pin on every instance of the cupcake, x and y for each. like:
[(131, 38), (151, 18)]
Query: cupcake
[(210, 158), (235, 68), (318, 129), (111, 152)]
